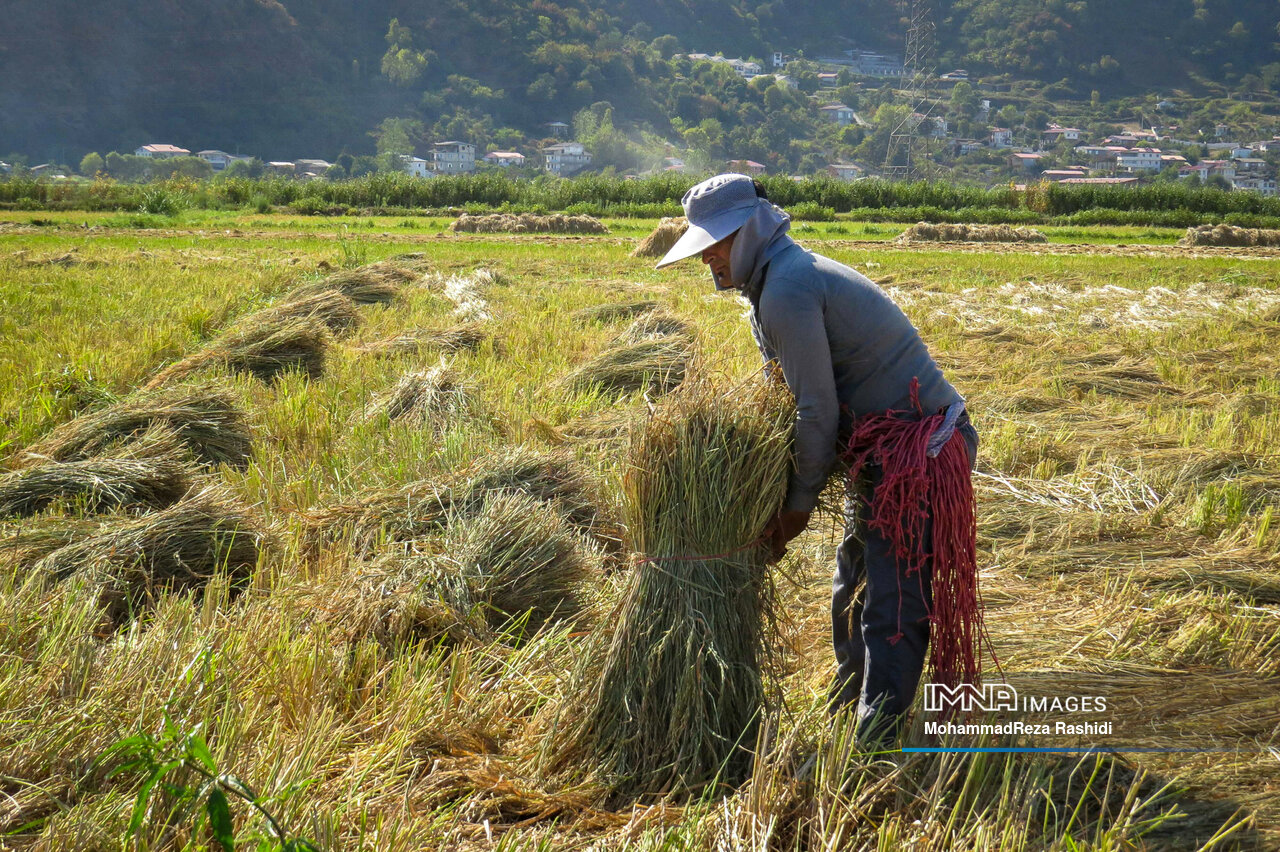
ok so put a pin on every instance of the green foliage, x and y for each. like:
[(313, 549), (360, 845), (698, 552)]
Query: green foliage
[(178, 769), (161, 201)]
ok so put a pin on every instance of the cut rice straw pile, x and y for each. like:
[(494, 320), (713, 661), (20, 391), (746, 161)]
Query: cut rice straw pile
[(1230, 235), (614, 311), (656, 365), (437, 397), (675, 704), (928, 232), (424, 508), (662, 238), (524, 223), (655, 324), (152, 472), (374, 283), (181, 548), (332, 307), (204, 416), (469, 335), (260, 347)]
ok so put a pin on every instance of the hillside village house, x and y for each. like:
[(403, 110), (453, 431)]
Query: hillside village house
[(453, 158), (1139, 160), (1055, 134), (417, 166), (506, 159), (566, 158), (280, 167), (1025, 161), (161, 152), (839, 113), (845, 171), (311, 168), (672, 164), (1001, 137), (1059, 175), (960, 147), (217, 160), (1262, 185), (746, 167)]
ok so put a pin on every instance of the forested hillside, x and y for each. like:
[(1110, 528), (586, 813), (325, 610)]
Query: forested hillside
[(289, 78)]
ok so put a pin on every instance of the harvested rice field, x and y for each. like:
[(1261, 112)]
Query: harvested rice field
[(338, 537)]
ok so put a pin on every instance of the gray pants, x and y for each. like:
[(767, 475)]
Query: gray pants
[(870, 604)]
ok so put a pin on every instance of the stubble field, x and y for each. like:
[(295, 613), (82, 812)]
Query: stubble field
[(1128, 402)]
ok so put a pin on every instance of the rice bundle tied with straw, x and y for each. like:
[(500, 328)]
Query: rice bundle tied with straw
[(680, 691)]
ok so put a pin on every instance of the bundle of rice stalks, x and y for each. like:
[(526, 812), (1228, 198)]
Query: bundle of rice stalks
[(22, 545), (332, 307), (177, 549), (421, 509), (1229, 235), (655, 324), (152, 472), (204, 416), (263, 349), (656, 365), (928, 232), (679, 696), (437, 396), (517, 560), (1127, 379), (524, 223), (374, 283), (469, 335), (614, 311), (663, 237)]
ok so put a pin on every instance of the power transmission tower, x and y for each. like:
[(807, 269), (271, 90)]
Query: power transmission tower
[(905, 157)]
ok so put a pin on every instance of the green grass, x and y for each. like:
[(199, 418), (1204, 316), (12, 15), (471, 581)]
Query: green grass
[(1129, 408)]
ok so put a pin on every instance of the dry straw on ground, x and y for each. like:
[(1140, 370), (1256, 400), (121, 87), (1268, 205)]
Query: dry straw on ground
[(467, 335), (662, 238), (656, 365), (421, 509), (928, 232), (152, 472), (517, 560), (437, 397), (374, 283), (332, 307), (675, 702), (205, 417), (655, 324), (522, 223), (1229, 235), (130, 563), (261, 347), (614, 311)]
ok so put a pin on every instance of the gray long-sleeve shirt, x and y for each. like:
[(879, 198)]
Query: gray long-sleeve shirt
[(845, 350)]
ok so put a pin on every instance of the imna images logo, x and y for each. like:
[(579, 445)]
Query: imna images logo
[(966, 698)]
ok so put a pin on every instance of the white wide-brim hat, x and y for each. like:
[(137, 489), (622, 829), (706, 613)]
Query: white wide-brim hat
[(715, 209)]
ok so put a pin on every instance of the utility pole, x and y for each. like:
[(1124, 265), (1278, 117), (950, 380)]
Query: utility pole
[(904, 158)]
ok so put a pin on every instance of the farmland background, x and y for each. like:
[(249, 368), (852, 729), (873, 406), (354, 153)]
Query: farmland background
[(1128, 401)]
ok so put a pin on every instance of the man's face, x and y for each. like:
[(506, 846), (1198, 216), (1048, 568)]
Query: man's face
[(717, 257)]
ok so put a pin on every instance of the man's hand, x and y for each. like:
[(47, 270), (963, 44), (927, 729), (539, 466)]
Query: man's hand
[(786, 525)]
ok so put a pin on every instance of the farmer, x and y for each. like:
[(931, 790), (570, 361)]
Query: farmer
[(848, 354)]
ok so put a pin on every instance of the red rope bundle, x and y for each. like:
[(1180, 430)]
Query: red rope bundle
[(914, 489)]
